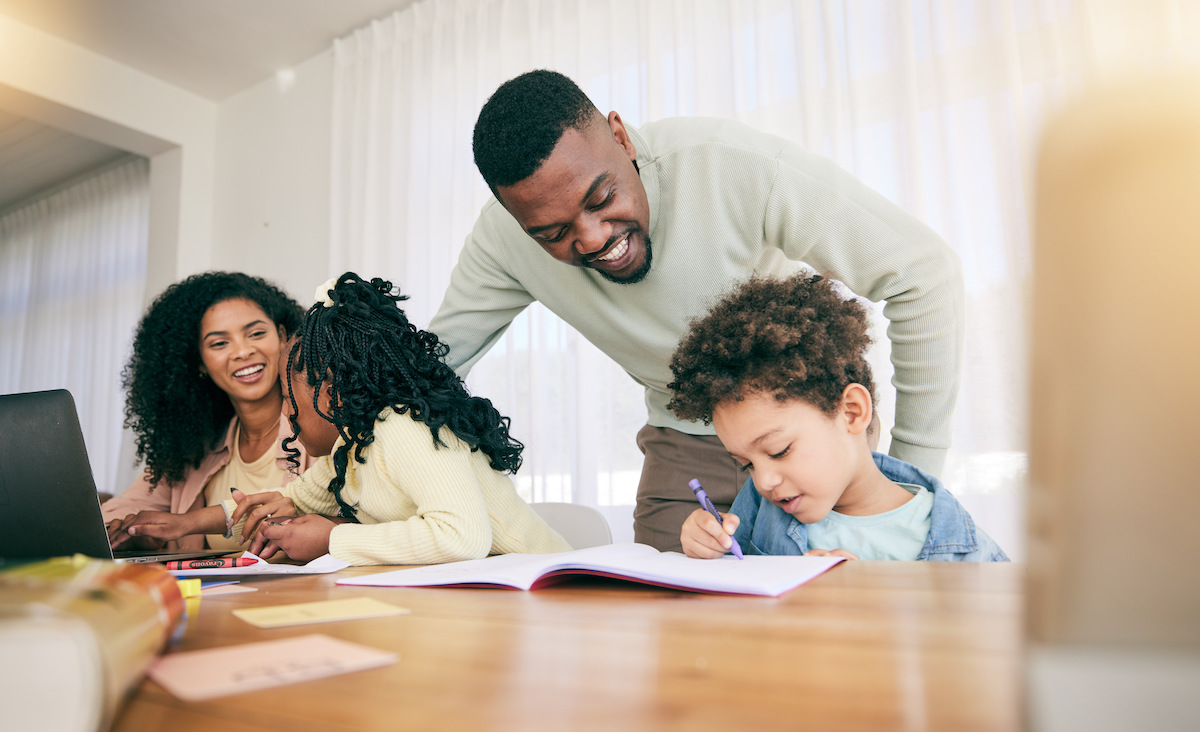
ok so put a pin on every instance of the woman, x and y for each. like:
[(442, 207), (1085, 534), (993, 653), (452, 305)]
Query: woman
[(203, 398)]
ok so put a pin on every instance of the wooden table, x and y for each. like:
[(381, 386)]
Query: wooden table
[(866, 646)]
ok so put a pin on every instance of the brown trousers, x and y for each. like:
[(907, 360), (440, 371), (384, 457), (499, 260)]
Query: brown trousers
[(664, 499)]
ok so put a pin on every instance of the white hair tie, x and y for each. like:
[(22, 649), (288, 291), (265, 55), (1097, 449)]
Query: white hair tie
[(324, 293)]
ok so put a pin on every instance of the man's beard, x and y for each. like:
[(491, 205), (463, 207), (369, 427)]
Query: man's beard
[(639, 274)]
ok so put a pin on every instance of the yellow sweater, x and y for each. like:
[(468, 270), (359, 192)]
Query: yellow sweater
[(421, 504)]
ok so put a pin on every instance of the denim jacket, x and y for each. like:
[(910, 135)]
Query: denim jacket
[(953, 537)]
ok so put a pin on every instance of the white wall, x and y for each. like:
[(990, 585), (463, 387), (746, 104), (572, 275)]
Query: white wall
[(271, 198), (239, 185), (243, 184), (54, 82)]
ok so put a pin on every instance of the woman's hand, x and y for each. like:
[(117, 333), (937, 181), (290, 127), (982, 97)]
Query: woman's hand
[(259, 506), (704, 538), (119, 536), (304, 538), (153, 529)]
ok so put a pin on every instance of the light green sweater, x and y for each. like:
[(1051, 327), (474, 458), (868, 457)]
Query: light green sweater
[(726, 202), (421, 505)]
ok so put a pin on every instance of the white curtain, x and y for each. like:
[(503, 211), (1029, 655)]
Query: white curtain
[(937, 105), (72, 278)]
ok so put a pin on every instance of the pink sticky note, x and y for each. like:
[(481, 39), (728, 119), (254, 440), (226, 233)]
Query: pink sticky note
[(197, 675)]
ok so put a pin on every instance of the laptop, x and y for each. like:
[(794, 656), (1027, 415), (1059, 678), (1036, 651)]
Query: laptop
[(48, 501)]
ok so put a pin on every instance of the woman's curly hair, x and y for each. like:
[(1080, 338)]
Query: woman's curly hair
[(372, 358), (795, 338), (177, 414)]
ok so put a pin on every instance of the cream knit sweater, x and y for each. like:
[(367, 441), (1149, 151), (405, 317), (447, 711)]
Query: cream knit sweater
[(418, 504)]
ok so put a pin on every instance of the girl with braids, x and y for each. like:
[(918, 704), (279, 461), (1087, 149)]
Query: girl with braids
[(412, 467), (779, 368), (203, 397)]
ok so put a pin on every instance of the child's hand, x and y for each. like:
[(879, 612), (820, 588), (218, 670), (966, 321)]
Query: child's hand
[(257, 507), (830, 553), (702, 537), (304, 538)]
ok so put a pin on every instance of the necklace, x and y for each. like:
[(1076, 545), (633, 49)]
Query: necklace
[(271, 432)]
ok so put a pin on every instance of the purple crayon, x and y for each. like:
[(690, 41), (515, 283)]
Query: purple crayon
[(708, 506)]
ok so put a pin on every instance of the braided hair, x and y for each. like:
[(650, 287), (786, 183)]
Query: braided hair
[(359, 343)]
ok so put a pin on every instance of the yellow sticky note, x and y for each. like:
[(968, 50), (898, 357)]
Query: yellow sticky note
[(188, 587), (326, 611)]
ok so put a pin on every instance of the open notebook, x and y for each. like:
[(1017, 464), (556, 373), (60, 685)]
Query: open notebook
[(48, 501), (754, 575)]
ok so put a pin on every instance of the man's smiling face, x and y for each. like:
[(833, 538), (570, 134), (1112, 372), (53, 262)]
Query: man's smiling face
[(585, 205)]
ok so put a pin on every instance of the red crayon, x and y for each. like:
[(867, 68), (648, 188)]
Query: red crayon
[(213, 563)]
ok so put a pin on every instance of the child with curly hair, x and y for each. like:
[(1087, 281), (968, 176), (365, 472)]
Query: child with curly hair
[(412, 468), (778, 367)]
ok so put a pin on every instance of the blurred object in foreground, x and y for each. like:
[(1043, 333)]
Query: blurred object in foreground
[(1114, 554), (76, 635)]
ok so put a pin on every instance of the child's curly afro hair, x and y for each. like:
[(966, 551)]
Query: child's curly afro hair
[(795, 338)]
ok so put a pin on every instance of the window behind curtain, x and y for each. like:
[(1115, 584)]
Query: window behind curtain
[(72, 280)]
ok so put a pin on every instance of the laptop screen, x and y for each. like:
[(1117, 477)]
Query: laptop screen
[(48, 501)]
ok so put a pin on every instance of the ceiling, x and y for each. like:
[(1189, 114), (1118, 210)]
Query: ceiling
[(212, 48), (35, 158)]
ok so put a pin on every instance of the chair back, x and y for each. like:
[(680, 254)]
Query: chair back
[(582, 526)]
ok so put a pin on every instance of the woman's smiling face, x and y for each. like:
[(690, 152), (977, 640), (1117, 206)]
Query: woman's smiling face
[(239, 350)]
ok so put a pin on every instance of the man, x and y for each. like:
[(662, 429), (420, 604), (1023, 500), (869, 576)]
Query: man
[(651, 225)]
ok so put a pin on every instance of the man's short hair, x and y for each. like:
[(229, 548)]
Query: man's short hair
[(521, 123)]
